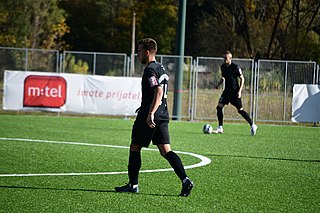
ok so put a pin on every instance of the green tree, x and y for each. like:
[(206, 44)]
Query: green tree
[(107, 24), (28, 23), (302, 37), (159, 22), (272, 29)]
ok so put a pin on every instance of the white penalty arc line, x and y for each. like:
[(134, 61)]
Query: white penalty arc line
[(204, 160)]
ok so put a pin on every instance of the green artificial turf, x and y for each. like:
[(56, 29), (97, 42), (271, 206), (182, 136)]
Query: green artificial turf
[(278, 170)]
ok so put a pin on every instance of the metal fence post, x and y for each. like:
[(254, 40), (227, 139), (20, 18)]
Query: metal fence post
[(253, 91), (317, 79), (127, 68), (257, 90), (285, 92), (314, 74), (192, 88), (26, 60), (60, 62), (94, 63)]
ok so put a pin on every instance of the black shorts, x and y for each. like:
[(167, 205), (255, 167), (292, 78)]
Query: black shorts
[(142, 134), (226, 98)]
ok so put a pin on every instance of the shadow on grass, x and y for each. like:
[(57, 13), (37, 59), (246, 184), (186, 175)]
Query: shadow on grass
[(266, 158), (81, 190)]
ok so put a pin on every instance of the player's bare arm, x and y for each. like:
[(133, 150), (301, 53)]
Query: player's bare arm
[(158, 92), (241, 85)]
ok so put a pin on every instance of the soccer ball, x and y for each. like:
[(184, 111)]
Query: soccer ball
[(207, 129)]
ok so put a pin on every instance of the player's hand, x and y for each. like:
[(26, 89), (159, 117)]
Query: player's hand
[(150, 120), (239, 94)]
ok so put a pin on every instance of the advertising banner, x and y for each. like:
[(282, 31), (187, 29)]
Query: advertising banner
[(306, 103), (63, 92)]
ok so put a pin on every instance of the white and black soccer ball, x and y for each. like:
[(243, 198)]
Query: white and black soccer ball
[(207, 129)]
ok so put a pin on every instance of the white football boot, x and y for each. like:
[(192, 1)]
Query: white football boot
[(219, 130), (254, 129)]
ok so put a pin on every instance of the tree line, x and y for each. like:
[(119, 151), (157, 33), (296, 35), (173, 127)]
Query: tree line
[(268, 29)]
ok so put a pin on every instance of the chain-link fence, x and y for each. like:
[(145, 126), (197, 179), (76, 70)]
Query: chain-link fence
[(109, 64), (267, 93), (28, 59), (207, 74), (275, 81)]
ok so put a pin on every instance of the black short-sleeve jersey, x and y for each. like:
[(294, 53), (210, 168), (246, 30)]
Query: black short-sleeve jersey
[(154, 75), (231, 74)]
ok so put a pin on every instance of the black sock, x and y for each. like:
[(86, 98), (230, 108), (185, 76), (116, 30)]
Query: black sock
[(175, 162), (246, 116), (220, 116), (134, 167)]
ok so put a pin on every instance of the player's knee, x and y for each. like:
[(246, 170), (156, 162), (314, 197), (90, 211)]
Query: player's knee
[(240, 110), (164, 149), (163, 153), (219, 108), (135, 148)]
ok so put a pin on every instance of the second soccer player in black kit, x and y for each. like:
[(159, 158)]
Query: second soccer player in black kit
[(232, 92), (152, 121)]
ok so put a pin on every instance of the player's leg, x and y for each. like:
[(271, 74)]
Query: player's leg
[(162, 140), (134, 164), (176, 163), (140, 137), (238, 104), (220, 117), (173, 159), (245, 115), (220, 113)]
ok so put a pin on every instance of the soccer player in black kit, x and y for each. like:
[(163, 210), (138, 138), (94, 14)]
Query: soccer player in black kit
[(152, 121), (232, 92)]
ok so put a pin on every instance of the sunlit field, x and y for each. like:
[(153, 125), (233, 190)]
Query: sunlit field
[(72, 164)]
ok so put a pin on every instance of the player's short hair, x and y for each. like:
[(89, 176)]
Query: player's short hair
[(148, 44), (227, 53)]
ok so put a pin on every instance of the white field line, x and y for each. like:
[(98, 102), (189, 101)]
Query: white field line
[(204, 160)]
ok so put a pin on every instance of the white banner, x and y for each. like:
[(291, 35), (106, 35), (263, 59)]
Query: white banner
[(306, 103), (62, 92)]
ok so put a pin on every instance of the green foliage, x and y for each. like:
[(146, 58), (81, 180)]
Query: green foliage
[(262, 29), (247, 79), (31, 24), (54, 39), (307, 47), (271, 81), (107, 25), (75, 66), (161, 27)]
